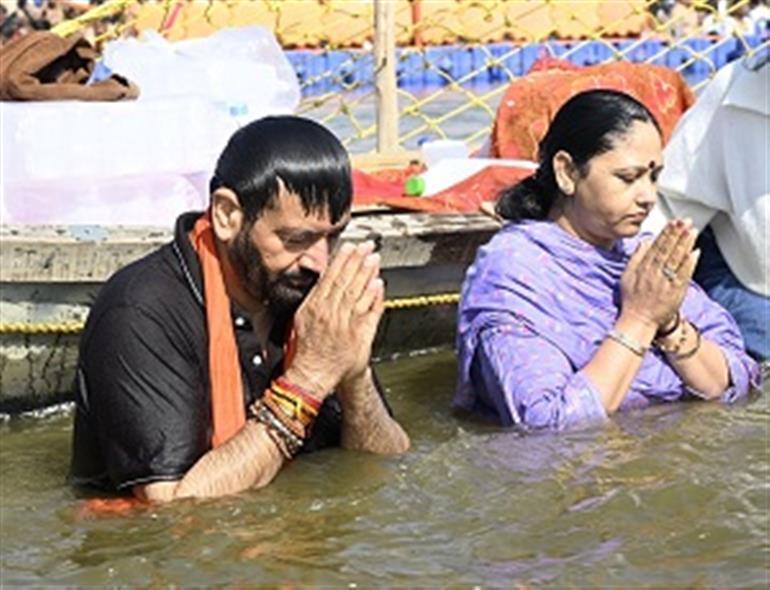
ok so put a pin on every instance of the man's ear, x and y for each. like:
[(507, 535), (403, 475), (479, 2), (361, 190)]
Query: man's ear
[(565, 171), (226, 214)]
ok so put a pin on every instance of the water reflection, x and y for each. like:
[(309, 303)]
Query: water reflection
[(674, 495)]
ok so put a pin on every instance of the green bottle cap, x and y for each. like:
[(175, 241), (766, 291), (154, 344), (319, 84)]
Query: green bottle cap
[(415, 186)]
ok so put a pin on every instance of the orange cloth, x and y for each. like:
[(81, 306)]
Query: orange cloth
[(227, 409), (531, 102), (96, 507)]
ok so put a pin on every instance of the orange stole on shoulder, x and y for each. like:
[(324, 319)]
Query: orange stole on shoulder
[(228, 414)]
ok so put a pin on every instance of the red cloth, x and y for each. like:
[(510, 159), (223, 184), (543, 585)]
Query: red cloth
[(531, 102), (372, 188), (386, 187)]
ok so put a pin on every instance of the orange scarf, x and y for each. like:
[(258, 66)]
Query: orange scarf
[(227, 408)]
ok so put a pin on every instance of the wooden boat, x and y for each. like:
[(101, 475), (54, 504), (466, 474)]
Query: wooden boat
[(49, 276)]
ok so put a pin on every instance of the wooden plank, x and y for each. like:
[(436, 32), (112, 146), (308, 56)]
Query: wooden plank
[(377, 161)]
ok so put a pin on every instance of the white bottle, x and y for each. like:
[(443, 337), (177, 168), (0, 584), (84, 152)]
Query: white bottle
[(434, 151), (451, 171)]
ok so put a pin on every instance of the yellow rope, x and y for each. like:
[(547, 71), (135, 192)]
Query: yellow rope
[(423, 301), (109, 8), (41, 327), (34, 328)]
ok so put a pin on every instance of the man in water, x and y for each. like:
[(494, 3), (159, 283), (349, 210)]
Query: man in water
[(209, 364)]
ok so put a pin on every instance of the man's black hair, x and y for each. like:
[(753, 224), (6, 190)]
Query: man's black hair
[(309, 160)]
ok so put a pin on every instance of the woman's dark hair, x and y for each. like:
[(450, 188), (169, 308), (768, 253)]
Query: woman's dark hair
[(310, 161), (584, 127)]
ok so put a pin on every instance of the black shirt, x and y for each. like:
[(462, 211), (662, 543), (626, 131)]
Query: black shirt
[(142, 391)]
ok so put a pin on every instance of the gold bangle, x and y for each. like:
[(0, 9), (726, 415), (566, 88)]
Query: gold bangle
[(673, 350), (690, 353), (662, 334), (632, 345)]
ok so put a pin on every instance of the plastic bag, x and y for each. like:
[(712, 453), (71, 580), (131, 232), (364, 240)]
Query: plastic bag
[(242, 70)]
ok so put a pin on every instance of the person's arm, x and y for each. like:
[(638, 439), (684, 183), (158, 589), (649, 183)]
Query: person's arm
[(526, 380), (653, 287), (366, 423), (708, 353), (338, 354), (248, 460), (615, 364)]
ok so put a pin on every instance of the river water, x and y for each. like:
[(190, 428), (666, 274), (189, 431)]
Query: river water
[(674, 496)]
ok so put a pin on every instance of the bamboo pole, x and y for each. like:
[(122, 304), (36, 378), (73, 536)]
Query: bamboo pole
[(385, 68), (416, 25)]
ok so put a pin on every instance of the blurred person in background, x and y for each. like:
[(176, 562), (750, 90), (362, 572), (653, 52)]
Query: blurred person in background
[(684, 19), (760, 17), (716, 173)]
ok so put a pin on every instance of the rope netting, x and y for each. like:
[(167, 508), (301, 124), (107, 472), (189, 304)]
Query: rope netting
[(455, 57)]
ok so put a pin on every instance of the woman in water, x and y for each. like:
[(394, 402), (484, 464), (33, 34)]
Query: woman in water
[(567, 314)]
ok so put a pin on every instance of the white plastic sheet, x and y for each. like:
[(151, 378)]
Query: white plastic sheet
[(141, 162)]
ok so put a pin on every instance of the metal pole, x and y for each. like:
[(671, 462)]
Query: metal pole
[(385, 68)]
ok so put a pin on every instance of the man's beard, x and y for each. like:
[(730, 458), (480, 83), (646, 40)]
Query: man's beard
[(282, 292)]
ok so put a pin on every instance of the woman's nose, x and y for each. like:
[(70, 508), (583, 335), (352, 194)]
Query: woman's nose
[(648, 193)]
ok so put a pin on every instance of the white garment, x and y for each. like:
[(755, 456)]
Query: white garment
[(716, 170), (760, 15)]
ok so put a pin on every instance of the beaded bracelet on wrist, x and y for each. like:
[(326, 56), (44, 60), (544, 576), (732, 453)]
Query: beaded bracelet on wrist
[(293, 425), (288, 441)]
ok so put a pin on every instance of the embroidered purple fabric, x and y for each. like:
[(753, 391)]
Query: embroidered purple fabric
[(536, 304)]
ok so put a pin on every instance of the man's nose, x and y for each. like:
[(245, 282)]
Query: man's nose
[(316, 258)]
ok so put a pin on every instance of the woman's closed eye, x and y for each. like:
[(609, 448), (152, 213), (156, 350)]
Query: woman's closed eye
[(628, 178)]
